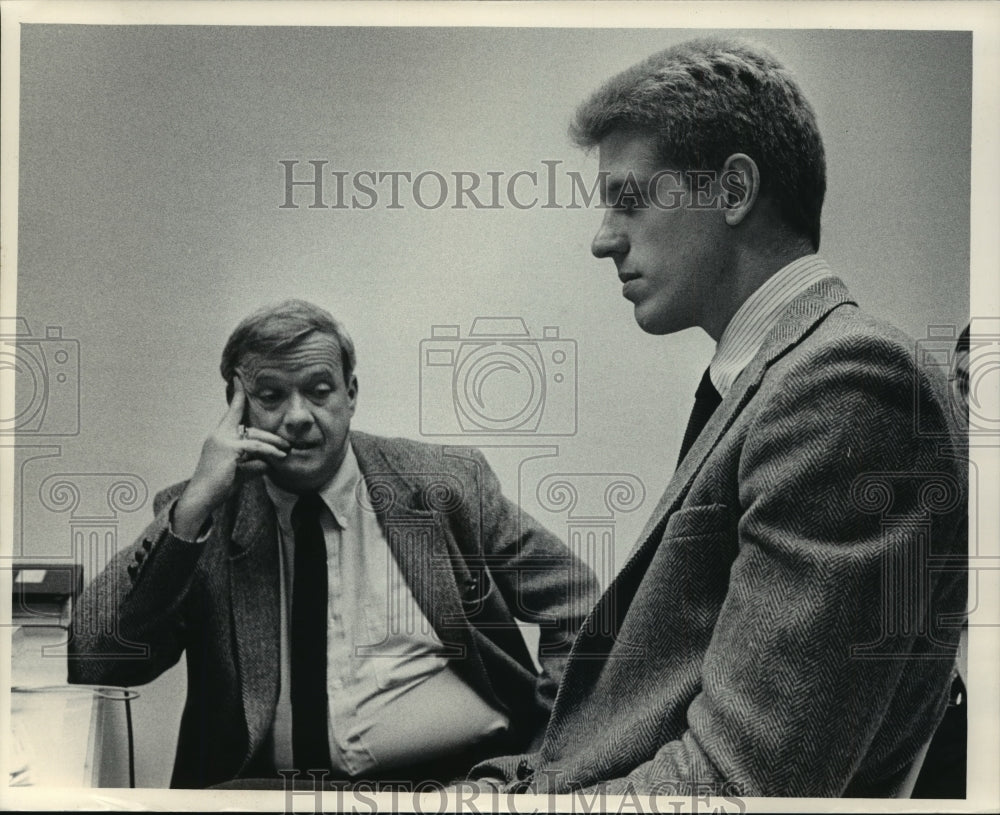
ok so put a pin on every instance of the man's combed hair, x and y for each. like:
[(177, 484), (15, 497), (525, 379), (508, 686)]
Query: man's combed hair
[(274, 329), (705, 100)]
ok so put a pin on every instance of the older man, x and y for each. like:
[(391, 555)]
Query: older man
[(787, 622), (346, 603)]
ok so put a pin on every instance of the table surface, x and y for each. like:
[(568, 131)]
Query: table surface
[(60, 732)]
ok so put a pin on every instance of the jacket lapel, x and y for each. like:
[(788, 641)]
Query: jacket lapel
[(808, 309), (798, 319), (255, 597), (419, 542)]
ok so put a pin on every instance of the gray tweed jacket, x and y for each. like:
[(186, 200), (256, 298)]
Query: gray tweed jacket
[(787, 623)]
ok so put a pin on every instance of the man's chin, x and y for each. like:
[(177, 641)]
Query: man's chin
[(660, 321), (651, 323), (298, 479)]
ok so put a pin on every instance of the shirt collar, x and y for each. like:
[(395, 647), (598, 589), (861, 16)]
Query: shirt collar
[(754, 320), (339, 493)]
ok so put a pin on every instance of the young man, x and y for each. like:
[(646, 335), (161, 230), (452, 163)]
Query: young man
[(781, 628)]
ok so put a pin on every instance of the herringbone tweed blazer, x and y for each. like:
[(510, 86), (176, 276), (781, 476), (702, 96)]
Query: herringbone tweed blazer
[(787, 623), (472, 559)]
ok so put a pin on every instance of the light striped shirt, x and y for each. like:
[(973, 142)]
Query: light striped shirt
[(754, 320)]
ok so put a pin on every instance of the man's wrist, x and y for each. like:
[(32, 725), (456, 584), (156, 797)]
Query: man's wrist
[(189, 520)]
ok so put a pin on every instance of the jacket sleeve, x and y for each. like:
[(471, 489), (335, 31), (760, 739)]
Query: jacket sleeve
[(128, 626), (541, 580), (838, 493)]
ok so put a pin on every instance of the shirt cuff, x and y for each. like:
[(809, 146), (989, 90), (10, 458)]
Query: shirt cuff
[(203, 533)]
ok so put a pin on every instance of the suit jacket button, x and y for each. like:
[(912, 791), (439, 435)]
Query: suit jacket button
[(470, 589)]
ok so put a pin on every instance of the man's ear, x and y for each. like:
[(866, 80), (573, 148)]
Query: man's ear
[(740, 187), (352, 392)]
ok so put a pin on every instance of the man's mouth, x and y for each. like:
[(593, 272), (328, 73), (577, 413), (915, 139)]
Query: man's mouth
[(302, 446), (629, 282)]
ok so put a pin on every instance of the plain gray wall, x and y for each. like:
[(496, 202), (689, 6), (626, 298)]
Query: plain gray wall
[(149, 224)]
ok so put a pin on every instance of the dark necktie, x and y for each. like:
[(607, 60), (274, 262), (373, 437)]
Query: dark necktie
[(310, 709), (706, 400)]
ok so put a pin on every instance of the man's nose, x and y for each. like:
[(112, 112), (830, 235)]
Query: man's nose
[(609, 241), (297, 417)]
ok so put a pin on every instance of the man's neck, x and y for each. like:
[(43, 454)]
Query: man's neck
[(754, 265)]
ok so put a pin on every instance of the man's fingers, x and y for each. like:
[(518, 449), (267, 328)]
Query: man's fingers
[(235, 413), (260, 449), (268, 437)]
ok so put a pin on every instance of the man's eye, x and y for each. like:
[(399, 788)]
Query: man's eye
[(267, 396), (628, 203), (322, 391)]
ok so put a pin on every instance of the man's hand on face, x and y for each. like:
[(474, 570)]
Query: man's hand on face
[(231, 451)]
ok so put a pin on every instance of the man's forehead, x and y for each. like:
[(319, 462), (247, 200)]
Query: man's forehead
[(316, 351)]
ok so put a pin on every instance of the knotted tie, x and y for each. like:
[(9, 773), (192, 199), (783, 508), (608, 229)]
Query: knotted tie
[(706, 400), (310, 709)]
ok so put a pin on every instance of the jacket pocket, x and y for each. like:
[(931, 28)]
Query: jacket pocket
[(698, 521)]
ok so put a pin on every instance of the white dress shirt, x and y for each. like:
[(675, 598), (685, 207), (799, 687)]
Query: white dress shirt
[(393, 697)]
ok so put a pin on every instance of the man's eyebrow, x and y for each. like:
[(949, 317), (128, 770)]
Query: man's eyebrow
[(322, 373), (631, 184), (611, 190)]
